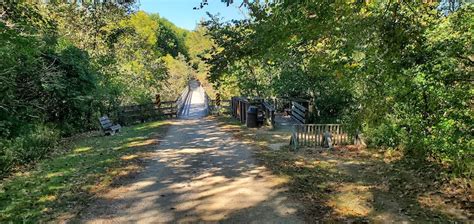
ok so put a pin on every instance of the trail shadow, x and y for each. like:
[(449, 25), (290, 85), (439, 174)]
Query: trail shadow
[(350, 186), (68, 178), (197, 173)]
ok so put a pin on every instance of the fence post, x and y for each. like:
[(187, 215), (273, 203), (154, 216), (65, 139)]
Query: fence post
[(158, 100), (218, 99)]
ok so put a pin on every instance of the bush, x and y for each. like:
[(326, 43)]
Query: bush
[(27, 147)]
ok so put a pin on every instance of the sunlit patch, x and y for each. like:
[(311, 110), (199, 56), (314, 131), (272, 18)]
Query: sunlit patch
[(141, 143), (55, 174), (114, 174), (149, 126), (47, 198), (82, 149), (438, 203), (195, 150), (303, 164), (392, 155), (352, 200), (129, 157)]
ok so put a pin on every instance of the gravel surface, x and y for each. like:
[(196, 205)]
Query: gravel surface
[(197, 174)]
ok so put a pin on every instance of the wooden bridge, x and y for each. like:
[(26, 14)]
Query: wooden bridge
[(294, 114), (291, 114), (152, 111)]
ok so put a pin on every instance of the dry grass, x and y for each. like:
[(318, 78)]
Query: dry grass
[(350, 184)]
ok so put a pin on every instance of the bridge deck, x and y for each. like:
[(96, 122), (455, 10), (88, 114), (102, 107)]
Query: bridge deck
[(195, 106)]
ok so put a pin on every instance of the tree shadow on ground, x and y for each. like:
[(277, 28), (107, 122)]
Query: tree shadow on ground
[(68, 178), (343, 185), (198, 173)]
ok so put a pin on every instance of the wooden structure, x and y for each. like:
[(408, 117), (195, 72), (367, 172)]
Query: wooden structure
[(216, 106), (240, 105), (182, 100), (108, 127), (152, 111), (312, 135), (299, 113), (269, 114)]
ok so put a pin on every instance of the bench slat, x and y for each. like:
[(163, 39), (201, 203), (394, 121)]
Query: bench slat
[(107, 126)]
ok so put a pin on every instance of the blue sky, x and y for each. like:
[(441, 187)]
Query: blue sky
[(181, 12)]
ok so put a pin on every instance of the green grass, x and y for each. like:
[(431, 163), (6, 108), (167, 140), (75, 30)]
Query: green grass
[(61, 184)]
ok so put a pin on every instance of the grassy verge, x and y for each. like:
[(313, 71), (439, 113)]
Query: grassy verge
[(57, 187), (362, 185)]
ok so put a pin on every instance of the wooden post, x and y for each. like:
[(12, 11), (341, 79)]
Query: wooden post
[(218, 99), (158, 100)]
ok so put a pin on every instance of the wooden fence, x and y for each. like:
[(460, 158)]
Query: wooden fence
[(182, 100), (299, 113), (312, 135), (152, 111), (269, 114), (240, 105), (223, 107)]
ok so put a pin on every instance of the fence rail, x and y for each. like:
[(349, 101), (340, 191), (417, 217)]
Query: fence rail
[(181, 100), (224, 107), (312, 135), (269, 114), (239, 107), (152, 111)]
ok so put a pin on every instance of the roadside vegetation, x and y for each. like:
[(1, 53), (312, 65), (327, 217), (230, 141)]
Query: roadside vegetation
[(348, 184), (400, 72), (66, 180), (65, 65)]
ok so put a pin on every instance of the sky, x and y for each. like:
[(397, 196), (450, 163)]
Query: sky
[(181, 12)]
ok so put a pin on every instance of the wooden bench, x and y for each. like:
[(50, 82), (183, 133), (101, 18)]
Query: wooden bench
[(108, 127)]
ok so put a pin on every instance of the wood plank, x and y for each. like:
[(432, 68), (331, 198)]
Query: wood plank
[(298, 118), (299, 106), (299, 112)]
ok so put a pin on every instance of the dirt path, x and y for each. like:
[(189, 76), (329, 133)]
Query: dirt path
[(197, 174)]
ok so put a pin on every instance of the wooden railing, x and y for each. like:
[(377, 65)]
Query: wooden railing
[(299, 113), (223, 107), (313, 135), (239, 107), (182, 100), (152, 111), (146, 112), (269, 114)]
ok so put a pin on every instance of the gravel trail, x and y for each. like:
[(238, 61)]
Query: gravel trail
[(198, 174)]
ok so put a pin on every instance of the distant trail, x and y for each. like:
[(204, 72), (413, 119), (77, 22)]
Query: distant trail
[(198, 173), (195, 106)]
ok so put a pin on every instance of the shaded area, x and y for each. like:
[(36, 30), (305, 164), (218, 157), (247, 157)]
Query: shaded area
[(347, 184), (81, 167), (358, 186), (198, 173)]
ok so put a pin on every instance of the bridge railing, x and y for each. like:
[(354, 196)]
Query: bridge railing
[(219, 106), (152, 111), (181, 100), (240, 105), (269, 114)]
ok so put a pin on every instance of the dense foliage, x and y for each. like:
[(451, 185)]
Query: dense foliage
[(64, 65), (399, 71)]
